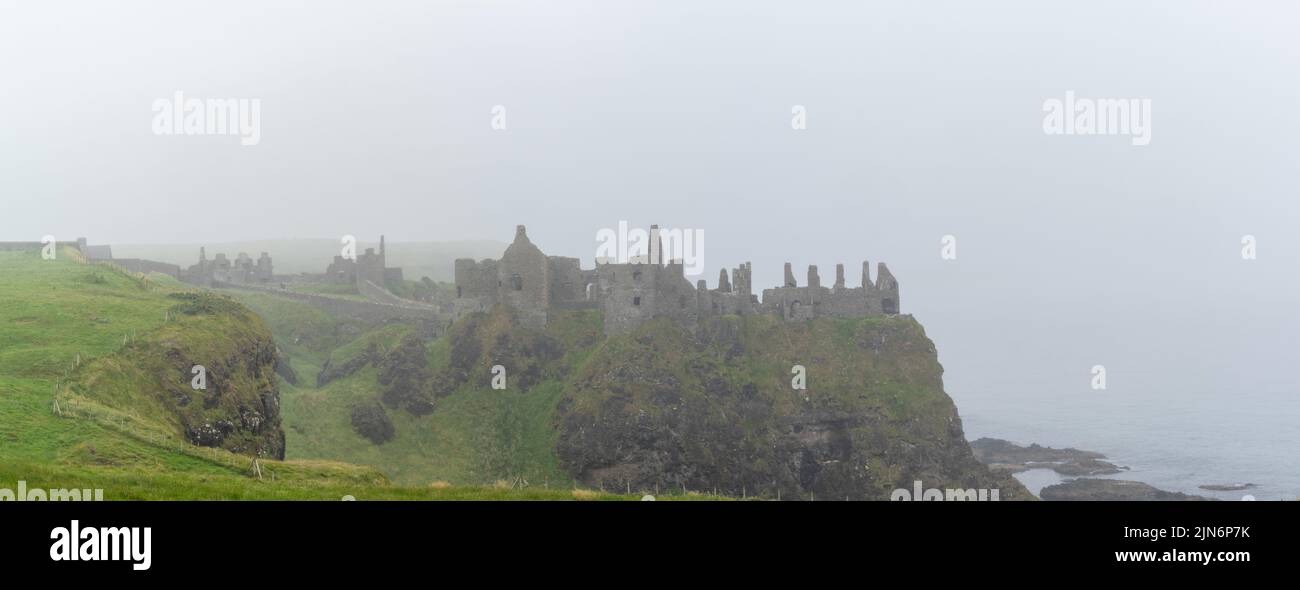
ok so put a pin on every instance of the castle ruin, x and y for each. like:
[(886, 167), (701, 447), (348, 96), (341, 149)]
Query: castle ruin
[(533, 284), (369, 266), (243, 270)]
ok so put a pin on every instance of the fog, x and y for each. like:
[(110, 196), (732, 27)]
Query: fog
[(923, 120)]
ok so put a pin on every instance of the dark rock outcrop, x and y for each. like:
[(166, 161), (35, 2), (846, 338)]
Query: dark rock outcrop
[(284, 369), (404, 377), (332, 372), (371, 421)]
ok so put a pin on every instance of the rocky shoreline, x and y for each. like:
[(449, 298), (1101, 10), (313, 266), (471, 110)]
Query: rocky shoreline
[(1008, 457), (1002, 455)]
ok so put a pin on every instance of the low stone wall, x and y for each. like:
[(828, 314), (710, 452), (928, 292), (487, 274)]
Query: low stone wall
[(33, 246), (146, 266), (379, 294), (366, 311)]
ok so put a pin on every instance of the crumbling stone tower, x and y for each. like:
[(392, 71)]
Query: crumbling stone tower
[(520, 280), (734, 296), (371, 265), (265, 271), (644, 288), (524, 279)]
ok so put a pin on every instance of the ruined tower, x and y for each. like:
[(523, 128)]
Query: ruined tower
[(523, 279)]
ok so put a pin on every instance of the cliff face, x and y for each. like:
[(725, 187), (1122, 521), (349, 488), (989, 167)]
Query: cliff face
[(153, 377), (663, 409)]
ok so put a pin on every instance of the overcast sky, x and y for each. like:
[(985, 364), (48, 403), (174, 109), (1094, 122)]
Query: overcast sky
[(924, 119)]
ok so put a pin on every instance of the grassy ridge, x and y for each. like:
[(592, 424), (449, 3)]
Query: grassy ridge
[(54, 312)]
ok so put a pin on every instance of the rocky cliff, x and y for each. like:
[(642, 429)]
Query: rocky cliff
[(662, 408)]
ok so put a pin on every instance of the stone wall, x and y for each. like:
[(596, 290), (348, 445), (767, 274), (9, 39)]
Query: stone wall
[(146, 266), (366, 311), (793, 302), (20, 246), (567, 282)]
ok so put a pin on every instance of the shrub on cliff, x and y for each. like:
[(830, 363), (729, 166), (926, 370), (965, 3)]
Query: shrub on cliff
[(371, 421), (404, 377)]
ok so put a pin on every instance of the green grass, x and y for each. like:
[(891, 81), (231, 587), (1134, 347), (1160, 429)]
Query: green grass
[(476, 436), (304, 332), (53, 313)]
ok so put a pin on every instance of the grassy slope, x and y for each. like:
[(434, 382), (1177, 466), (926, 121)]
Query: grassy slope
[(477, 436), (51, 312)]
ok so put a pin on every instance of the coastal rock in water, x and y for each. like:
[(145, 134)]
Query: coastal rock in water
[(1232, 487), (1111, 490)]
